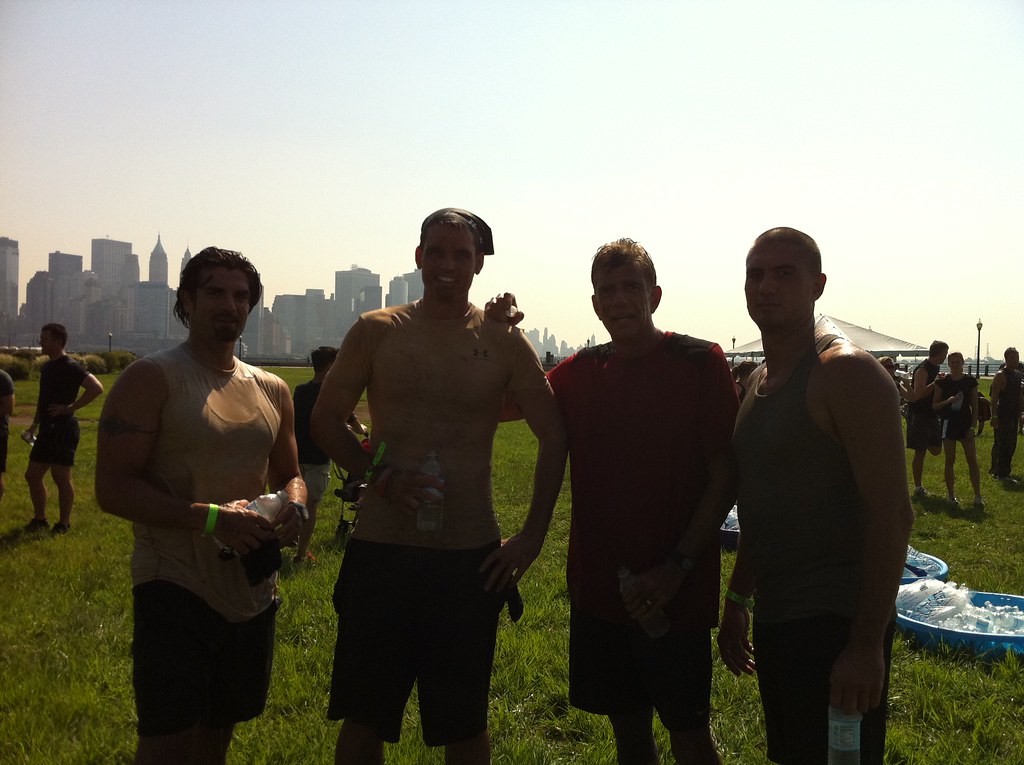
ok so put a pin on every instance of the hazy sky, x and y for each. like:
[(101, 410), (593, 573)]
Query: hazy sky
[(317, 135)]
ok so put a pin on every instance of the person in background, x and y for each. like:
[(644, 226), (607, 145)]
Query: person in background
[(415, 605), (741, 375), (956, 401), (313, 462), (824, 516), (1007, 394), (57, 439), (6, 410), (187, 438), (922, 422)]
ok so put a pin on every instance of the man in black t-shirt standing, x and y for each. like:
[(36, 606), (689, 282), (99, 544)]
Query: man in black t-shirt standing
[(55, 428), (313, 461), (922, 423), (1007, 396), (6, 408)]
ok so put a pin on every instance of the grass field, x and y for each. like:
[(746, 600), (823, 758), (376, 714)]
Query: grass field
[(65, 636)]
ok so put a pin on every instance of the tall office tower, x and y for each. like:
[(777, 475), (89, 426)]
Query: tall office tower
[(158, 264), (304, 318), (184, 262), (8, 277), (151, 309), (111, 262), (398, 292), (349, 297), (65, 270), (415, 281), (39, 302)]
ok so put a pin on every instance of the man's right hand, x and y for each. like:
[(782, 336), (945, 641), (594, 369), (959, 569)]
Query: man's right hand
[(734, 641), (241, 529)]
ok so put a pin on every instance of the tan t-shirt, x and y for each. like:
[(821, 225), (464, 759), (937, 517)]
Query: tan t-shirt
[(216, 433), (435, 385)]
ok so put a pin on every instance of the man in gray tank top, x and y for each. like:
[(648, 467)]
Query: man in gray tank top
[(824, 511)]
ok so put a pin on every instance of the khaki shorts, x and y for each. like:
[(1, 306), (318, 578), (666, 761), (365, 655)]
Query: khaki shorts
[(317, 478)]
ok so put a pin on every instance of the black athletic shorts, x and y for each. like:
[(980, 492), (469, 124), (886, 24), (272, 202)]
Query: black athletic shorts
[(413, 614), (922, 430), (56, 442), (794, 661), (192, 666), (618, 669)]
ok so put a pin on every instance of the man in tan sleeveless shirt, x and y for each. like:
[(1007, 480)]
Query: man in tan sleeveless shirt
[(187, 438)]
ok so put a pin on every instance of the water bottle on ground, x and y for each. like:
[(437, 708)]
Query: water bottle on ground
[(655, 623), (843, 737), (430, 514)]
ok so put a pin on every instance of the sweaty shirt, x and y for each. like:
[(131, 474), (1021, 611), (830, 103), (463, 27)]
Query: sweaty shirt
[(216, 432), (642, 433), (801, 516)]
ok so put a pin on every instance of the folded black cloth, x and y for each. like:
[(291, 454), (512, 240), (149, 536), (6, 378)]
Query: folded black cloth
[(262, 562), (514, 601)]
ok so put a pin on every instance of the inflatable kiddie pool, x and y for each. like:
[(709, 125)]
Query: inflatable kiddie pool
[(920, 565), (990, 645)]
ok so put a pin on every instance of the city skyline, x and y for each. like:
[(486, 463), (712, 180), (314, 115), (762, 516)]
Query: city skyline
[(110, 298), (312, 135)]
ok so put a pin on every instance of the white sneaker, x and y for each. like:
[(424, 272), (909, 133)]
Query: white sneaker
[(979, 503), (920, 491)]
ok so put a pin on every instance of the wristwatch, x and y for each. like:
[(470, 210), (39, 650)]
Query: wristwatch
[(302, 510), (686, 565)]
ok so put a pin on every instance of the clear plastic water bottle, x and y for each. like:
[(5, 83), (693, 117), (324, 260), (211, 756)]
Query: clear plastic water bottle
[(430, 514), (268, 505), (843, 737), (655, 623), (958, 401)]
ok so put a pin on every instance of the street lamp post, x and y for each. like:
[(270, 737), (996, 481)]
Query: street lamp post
[(110, 342), (734, 342), (977, 355)]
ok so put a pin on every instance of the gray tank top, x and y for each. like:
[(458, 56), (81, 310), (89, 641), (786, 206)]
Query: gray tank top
[(801, 515)]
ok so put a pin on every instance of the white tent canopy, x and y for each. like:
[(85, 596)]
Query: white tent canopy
[(873, 342)]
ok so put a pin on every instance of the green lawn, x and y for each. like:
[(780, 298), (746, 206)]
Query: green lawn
[(65, 635)]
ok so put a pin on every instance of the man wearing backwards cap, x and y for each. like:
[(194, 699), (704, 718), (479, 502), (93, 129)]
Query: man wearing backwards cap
[(414, 605)]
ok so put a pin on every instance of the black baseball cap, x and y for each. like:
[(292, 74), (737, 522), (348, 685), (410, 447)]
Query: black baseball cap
[(476, 224)]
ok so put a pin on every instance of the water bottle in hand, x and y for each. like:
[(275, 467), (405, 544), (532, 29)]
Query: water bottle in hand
[(430, 513), (843, 737), (655, 623)]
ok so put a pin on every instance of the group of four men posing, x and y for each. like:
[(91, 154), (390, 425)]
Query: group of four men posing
[(189, 436)]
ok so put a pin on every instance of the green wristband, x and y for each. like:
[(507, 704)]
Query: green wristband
[(735, 597), (211, 519)]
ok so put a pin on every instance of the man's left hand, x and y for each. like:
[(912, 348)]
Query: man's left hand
[(287, 524), (857, 678), (509, 562), (502, 308)]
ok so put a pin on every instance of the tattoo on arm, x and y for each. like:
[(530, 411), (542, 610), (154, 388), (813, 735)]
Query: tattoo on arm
[(115, 426)]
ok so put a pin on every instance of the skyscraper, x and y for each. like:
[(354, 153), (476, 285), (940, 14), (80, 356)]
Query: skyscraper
[(158, 264), (398, 292), (355, 291), (415, 281), (112, 262), (8, 277), (184, 262)]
